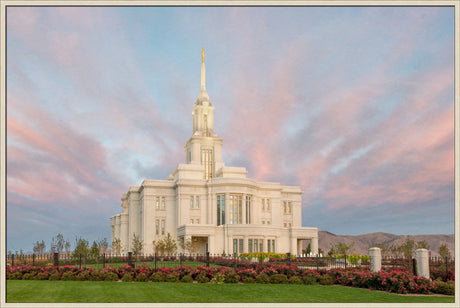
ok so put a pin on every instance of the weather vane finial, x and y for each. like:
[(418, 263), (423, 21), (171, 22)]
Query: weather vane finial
[(202, 54)]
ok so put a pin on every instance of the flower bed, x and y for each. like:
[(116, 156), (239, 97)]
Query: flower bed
[(395, 281)]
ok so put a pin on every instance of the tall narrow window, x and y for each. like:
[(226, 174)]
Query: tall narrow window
[(248, 209), (273, 245), (191, 202), (205, 124), (289, 208), (256, 245), (157, 202), (163, 203), (263, 205), (284, 206), (162, 227), (207, 161), (261, 245), (268, 205), (220, 210), (250, 248), (157, 227), (197, 202)]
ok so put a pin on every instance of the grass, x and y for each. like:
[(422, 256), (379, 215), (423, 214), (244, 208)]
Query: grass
[(33, 291)]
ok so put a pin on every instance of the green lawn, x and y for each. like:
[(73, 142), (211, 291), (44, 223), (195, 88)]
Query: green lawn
[(32, 291)]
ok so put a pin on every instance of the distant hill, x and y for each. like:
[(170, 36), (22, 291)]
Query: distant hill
[(363, 242)]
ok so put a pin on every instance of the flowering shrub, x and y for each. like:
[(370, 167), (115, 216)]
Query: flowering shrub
[(396, 281), (437, 273)]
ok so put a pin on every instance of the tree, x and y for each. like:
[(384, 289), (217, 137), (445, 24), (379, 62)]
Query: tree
[(166, 245), (340, 248), (422, 244), (444, 251), (307, 250), (59, 242), (39, 247), (137, 245), (408, 248), (188, 246), (81, 247), (384, 248), (103, 245), (116, 246), (67, 246), (94, 251)]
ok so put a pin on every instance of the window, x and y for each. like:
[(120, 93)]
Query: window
[(220, 210), (157, 203), (163, 203), (256, 245), (191, 221), (191, 201), (289, 208), (263, 205), (263, 222), (250, 245), (235, 209), (268, 204), (197, 202), (285, 225), (197, 221), (271, 245), (162, 227), (207, 162), (284, 207), (289, 225), (248, 209), (157, 227), (261, 245), (237, 246)]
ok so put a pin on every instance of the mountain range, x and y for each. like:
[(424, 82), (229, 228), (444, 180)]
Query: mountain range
[(362, 243)]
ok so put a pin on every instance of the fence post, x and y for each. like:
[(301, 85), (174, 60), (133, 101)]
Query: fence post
[(375, 259), (207, 258), (423, 266), (155, 261), (80, 260), (236, 260), (12, 260), (447, 269), (56, 259), (130, 259), (103, 260), (414, 269), (288, 258), (180, 259), (317, 263), (345, 262), (33, 259)]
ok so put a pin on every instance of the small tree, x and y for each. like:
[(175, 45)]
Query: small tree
[(422, 244), (170, 245), (67, 246), (59, 242), (94, 251), (307, 251), (137, 245), (340, 248), (444, 251), (81, 248), (103, 245), (188, 246), (408, 248), (384, 248), (116, 246), (39, 247)]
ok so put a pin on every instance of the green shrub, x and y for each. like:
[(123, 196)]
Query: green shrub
[(97, 276), (310, 279), (262, 278), (278, 278), (218, 279), (141, 278), (27, 276), (16, 276), (326, 280), (187, 278), (232, 277), (41, 276), (173, 277), (127, 277), (202, 278), (110, 276), (67, 276), (447, 288), (249, 280), (295, 280), (84, 276), (158, 277), (55, 276)]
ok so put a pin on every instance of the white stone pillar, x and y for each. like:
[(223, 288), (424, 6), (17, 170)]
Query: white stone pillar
[(423, 267), (314, 246), (375, 259), (124, 233)]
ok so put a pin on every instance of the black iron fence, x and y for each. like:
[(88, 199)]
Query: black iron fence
[(441, 267)]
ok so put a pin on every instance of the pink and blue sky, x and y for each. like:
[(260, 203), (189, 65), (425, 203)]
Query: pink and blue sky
[(353, 104)]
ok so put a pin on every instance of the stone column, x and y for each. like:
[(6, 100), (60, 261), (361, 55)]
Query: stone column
[(423, 268), (314, 246), (245, 243), (375, 259), (124, 233)]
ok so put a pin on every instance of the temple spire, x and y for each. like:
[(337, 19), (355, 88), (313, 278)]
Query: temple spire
[(203, 71)]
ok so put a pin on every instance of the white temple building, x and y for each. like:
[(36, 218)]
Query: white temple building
[(212, 205)]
